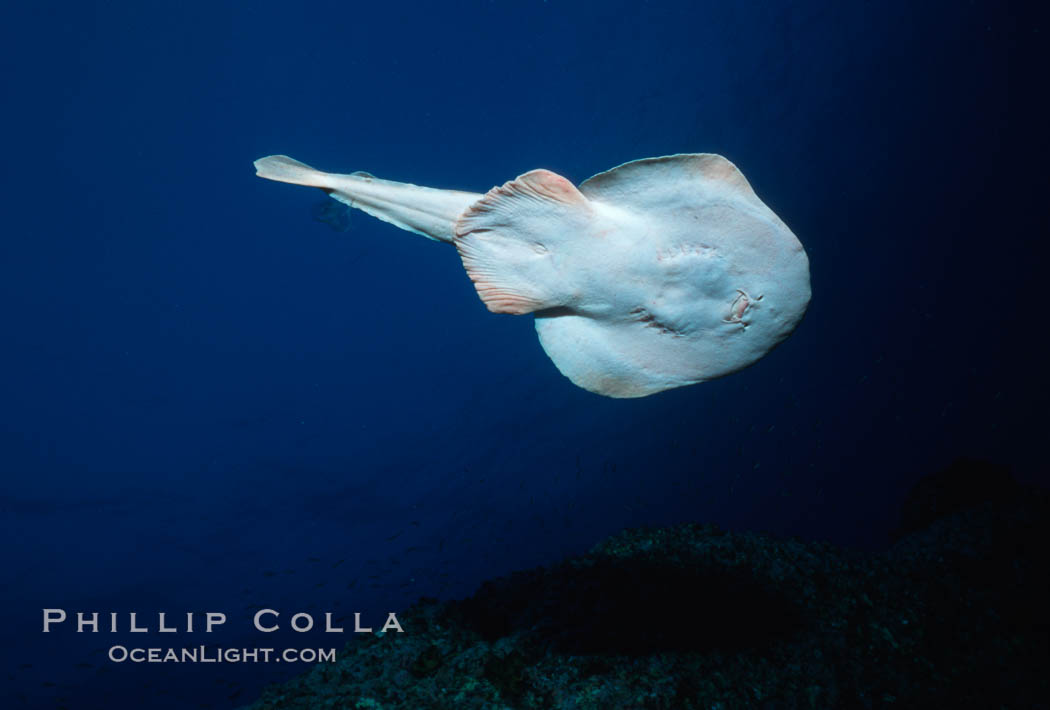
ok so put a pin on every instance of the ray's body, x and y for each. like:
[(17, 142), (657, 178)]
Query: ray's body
[(659, 273)]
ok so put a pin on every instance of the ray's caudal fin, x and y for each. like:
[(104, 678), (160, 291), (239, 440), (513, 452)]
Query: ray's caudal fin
[(424, 210), (281, 168)]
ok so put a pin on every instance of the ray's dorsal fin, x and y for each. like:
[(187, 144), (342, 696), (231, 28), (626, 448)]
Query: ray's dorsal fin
[(505, 240)]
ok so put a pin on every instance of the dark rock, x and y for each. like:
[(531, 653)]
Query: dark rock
[(953, 615), (965, 484)]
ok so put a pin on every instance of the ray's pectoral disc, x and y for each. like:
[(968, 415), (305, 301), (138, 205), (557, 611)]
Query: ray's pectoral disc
[(659, 273)]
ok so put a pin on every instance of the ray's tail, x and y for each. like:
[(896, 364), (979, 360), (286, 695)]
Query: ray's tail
[(423, 210)]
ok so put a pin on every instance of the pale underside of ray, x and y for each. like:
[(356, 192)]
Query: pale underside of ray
[(659, 273)]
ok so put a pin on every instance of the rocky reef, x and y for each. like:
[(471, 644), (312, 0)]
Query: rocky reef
[(954, 614)]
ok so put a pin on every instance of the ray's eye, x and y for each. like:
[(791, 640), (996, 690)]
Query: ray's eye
[(738, 307)]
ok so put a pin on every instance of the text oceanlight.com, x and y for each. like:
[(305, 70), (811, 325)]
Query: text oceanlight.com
[(203, 654)]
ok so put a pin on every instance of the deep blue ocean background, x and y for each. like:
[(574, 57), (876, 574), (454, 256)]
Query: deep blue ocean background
[(214, 401)]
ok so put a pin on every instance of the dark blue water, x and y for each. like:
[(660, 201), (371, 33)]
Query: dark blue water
[(218, 397)]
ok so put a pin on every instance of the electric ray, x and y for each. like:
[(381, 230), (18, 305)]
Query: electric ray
[(659, 273)]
